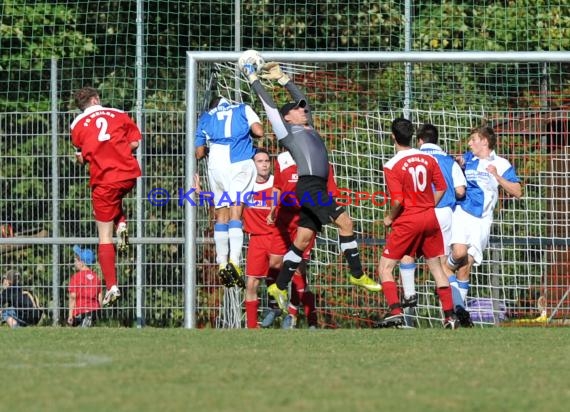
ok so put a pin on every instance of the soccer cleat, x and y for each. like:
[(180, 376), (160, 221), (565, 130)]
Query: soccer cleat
[(225, 276), (122, 237), (235, 273), (366, 282), (391, 321), (464, 317), (111, 296), (270, 317), (410, 302), (290, 322), (451, 322), (280, 296)]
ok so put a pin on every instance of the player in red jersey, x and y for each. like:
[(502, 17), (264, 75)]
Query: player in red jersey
[(258, 222), (106, 138), (409, 177), (287, 222), (85, 292)]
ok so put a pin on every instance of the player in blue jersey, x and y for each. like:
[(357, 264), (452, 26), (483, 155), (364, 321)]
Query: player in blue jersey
[(224, 134), (485, 171), (428, 137)]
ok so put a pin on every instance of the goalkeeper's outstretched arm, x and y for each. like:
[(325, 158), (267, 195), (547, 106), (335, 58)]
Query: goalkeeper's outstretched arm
[(272, 71), (273, 114)]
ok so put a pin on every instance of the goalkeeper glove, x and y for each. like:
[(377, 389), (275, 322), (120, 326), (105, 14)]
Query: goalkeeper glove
[(249, 70), (272, 71)]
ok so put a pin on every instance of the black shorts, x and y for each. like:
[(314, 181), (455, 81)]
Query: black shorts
[(318, 207)]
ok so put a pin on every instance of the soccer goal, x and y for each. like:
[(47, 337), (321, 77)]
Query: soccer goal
[(525, 274)]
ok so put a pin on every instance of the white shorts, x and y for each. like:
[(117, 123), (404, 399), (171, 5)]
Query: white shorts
[(445, 218), (230, 182), (472, 231)]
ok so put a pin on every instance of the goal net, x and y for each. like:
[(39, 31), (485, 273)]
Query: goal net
[(525, 276)]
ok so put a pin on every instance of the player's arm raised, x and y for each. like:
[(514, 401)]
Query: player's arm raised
[(268, 103)]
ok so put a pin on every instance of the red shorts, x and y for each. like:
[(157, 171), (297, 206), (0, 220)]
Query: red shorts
[(415, 235), (107, 199), (257, 261), (282, 240)]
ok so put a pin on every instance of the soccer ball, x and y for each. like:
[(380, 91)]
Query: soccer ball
[(251, 57)]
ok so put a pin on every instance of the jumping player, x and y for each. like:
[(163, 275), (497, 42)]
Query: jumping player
[(106, 139), (228, 129), (293, 126)]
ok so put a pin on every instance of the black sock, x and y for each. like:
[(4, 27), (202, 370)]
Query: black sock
[(349, 249), (291, 262)]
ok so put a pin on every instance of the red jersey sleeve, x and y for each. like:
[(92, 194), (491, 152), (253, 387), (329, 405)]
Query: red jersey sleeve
[(395, 190), (132, 131)]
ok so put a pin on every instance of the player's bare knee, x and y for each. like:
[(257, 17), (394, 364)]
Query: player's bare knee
[(344, 223), (407, 259)]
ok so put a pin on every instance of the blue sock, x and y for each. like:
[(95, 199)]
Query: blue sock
[(455, 292)]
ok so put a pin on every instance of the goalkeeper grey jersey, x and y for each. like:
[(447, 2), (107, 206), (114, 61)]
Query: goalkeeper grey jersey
[(307, 149), (305, 144)]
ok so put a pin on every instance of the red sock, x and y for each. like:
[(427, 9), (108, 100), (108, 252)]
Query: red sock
[(299, 284), (120, 219), (294, 299), (391, 293), (292, 310), (107, 263), (251, 307), (309, 306), (446, 298)]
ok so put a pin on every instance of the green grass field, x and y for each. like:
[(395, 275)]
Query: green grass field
[(105, 369)]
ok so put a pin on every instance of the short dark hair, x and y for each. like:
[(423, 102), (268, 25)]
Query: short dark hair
[(83, 96), (487, 133), (261, 150), (428, 133), (214, 102), (403, 131)]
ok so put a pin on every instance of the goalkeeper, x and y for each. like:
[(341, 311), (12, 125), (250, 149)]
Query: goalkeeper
[(293, 126)]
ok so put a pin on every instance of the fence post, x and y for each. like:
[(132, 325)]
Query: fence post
[(54, 192)]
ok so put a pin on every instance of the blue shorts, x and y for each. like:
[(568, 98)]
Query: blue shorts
[(11, 313)]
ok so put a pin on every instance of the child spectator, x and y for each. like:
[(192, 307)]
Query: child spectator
[(85, 291)]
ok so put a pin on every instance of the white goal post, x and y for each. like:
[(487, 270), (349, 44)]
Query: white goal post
[(512, 267)]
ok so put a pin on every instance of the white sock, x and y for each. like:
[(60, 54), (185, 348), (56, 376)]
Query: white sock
[(236, 240), (408, 276), (221, 237)]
